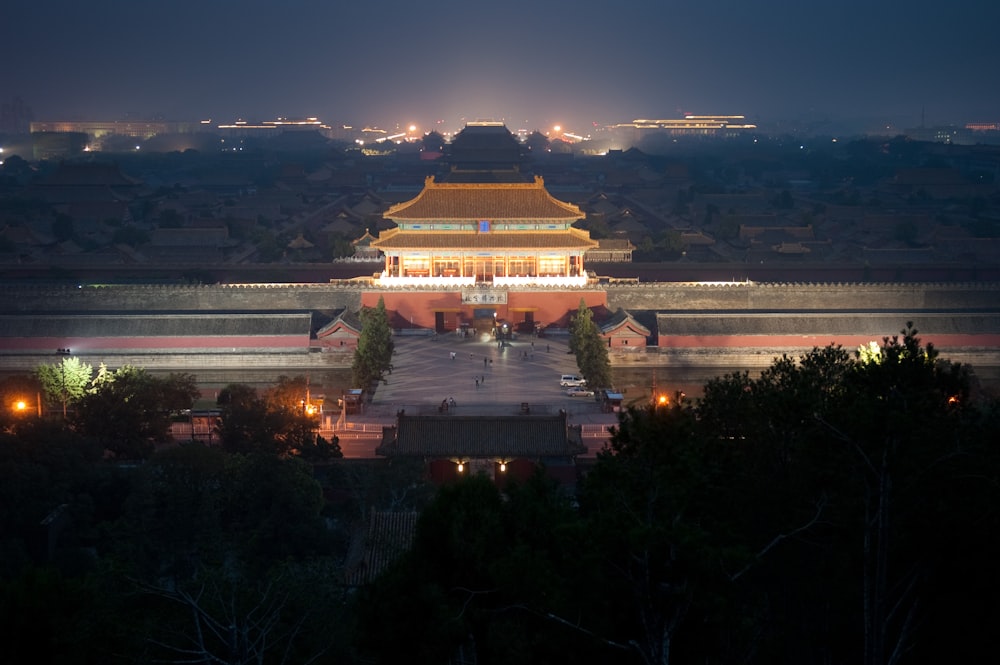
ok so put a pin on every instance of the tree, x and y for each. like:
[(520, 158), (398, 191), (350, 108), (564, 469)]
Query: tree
[(128, 410), (44, 617), (244, 422), (233, 558), (509, 576), (641, 506), (271, 507), (279, 422), (591, 351), (901, 428), (776, 516), (66, 381), (374, 353), (880, 448), (289, 616)]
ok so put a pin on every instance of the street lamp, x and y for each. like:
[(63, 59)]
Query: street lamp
[(20, 406)]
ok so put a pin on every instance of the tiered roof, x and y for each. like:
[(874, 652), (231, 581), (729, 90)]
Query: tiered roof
[(475, 201)]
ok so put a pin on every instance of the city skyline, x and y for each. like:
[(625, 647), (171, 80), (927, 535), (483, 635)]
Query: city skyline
[(580, 64)]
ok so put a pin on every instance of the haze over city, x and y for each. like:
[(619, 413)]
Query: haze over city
[(437, 65)]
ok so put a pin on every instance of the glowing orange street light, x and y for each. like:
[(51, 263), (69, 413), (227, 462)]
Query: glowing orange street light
[(20, 405), (662, 400)]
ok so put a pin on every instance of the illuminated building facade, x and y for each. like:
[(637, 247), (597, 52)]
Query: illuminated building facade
[(502, 234), (694, 125), (269, 128), (98, 131), (478, 255)]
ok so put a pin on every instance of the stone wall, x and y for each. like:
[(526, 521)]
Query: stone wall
[(750, 296), (128, 298), (651, 296)]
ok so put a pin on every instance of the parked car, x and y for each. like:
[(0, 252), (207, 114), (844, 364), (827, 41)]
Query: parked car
[(579, 391), (567, 380)]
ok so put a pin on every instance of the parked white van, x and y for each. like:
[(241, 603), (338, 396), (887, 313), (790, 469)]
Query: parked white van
[(567, 380)]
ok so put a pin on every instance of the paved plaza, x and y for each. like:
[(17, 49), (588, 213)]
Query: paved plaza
[(481, 377)]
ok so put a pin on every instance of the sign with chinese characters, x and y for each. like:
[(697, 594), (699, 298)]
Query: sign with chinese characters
[(484, 297), (484, 226)]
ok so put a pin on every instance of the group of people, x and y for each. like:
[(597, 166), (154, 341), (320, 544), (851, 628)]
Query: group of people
[(446, 404)]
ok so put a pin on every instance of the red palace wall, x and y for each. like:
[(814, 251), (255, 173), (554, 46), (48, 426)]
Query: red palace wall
[(849, 342), (207, 344), (419, 308)]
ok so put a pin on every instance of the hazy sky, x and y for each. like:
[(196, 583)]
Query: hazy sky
[(531, 64)]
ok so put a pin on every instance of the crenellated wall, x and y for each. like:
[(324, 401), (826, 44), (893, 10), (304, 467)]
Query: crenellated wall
[(650, 296), (218, 297), (860, 299), (664, 296)]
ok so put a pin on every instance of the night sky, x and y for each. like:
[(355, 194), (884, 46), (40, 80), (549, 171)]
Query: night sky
[(531, 64)]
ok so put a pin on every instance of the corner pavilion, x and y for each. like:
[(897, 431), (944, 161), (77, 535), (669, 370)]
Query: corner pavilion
[(469, 254)]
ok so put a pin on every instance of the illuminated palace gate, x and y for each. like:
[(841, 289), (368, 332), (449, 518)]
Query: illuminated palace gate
[(493, 252)]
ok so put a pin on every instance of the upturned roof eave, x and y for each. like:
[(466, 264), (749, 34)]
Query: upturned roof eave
[(431, 188)]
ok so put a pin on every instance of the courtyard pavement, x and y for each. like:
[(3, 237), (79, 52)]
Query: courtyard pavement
[(482, 379)]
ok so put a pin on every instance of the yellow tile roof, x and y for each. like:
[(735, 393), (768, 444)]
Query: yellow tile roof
[(492, 201)]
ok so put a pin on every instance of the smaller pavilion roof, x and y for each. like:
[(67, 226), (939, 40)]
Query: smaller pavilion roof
[(622, 318), (345, 319)]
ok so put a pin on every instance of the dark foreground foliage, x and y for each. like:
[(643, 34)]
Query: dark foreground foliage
[(838, 509)]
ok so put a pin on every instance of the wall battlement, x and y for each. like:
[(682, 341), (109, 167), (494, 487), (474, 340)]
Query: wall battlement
[(654, 296)]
